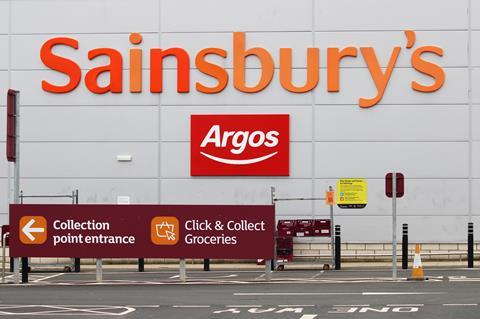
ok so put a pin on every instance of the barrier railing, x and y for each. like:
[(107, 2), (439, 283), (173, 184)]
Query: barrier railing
[(4, 245)]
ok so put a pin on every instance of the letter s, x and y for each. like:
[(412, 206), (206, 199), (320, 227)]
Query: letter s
[(428, 68), (272, 138), (60, 64)]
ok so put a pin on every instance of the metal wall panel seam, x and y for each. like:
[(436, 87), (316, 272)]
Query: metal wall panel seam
[(9, 166), (313, 118), (470, 124), (160, 110)]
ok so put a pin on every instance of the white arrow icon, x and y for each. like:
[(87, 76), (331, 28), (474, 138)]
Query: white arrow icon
[(170, 235), (28, 229)]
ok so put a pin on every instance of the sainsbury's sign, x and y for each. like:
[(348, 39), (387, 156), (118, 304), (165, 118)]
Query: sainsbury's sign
[(419, 58), (239, 144)]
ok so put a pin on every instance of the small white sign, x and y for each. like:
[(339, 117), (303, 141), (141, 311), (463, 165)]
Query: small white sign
[(123, 200)]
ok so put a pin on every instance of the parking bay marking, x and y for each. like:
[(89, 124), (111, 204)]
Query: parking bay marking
[(64, 310)]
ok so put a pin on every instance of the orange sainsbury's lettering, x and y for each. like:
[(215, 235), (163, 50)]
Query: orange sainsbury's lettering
[(239, 56), (211, 69), (379, 78), (114, 68), (156, 69), (431, 69), (313, 57), (60, 64), (379, 75)]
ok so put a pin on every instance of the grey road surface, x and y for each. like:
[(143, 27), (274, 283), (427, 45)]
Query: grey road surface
[(230, 294)]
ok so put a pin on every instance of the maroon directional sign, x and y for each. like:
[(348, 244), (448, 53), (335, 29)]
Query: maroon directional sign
[(153, 231), (389, 185)]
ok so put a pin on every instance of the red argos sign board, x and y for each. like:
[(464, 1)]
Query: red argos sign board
[(152, 231), (240, 144)]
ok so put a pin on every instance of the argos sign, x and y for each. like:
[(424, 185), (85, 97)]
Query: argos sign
[(420, 58), (239, 144)]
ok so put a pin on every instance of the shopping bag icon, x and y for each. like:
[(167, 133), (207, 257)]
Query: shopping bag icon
[(164, 230)]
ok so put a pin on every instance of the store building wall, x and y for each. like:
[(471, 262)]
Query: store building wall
[(71, 141)]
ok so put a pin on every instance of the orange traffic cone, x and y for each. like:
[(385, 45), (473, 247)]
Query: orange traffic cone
[(417, 270)]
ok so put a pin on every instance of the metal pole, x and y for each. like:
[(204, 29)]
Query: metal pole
[(24, 270), (275, 259), (16, 270), (99, 270), (338, 248), (332, 238), (268, 270), (470, 245), (16, 178), (141, 264), (183, 272), (405, 246), (76, 261), (76, 265), (206, 265), (394, 226), (4, 258)]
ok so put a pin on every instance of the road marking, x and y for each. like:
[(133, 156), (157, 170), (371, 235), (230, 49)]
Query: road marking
[(333, 293), (460, 304), (65, 310), (243, 306), (294, 293), (406, 305), (191, 306), (48, 277), (318, 274), (351, 305), (143, 306), (402, 293), (287, 306)]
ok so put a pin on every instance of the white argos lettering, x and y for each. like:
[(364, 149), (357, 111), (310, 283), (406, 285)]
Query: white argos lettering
[(240, 139), (238, 142)]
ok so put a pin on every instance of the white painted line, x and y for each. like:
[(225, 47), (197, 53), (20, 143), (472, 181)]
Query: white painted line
[(260, 277), (401, 293), (66, 310), (191, 306), (285, 306), (460, 304), (318, 274), (406, 305), (143, 306), (243, 306), (351, 305), (367, 293), (173, 277), (48, 277), (294, 293)]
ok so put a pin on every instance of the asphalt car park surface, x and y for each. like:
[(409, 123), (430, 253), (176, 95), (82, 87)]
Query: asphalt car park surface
[(449, 293)]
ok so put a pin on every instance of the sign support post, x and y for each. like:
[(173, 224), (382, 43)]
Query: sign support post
[(394, 226), (394, 188), (332, 237), (273, 263), (99, 270), (268, 270), (183, 271), (15, 96)]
